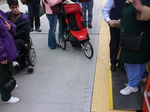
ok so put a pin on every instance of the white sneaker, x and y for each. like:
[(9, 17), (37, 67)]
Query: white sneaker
[(15, 64), (16, 86), (128, 90), (12, 100)]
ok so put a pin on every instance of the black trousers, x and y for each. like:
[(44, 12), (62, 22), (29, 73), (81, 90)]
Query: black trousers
[(114, 44), (34, 13), (19, 44), (6, 71)]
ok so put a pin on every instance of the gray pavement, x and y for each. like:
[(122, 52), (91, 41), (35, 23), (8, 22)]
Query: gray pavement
[(62, 80), (2, 2)]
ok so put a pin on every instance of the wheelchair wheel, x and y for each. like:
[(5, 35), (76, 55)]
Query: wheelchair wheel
[(30, 69), (62, 42), (32, 57), (88, 49)]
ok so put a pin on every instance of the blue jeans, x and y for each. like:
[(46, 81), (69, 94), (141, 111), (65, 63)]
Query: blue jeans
[(34, 12), (87, 6), (52, 18), (135, 73)]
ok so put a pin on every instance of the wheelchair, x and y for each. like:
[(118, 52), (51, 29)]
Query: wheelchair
[(27, 56)]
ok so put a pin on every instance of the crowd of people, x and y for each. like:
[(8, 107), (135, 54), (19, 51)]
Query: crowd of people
[(130, 14), (15, 32), (134, 21)]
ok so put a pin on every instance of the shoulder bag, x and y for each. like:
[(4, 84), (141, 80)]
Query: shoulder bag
[(129, 41), (55, 9)]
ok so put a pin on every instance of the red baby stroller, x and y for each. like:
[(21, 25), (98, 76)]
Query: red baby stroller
[(73, 29)]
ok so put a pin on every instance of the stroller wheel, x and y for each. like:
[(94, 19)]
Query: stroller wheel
[(32, 57), (62, 42), (30, 69), (88, 49)]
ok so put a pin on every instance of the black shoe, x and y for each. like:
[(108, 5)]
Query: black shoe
[(113, 67), (121, 67), (58, 46), (38, 30), (31, 30), (89, 25)]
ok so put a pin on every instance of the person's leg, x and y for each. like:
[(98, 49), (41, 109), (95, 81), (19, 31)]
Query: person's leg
[(37, 16), (84, 5), (19, 44), (4, 75), (114, 47), (51, 35), (135, 73), (121, 66), (90, 15), (31, 15)]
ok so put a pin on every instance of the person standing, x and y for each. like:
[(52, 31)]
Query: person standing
[(34, 14), (8, 53), (87, 6), (52, 10), (112, 11), (135, 21)]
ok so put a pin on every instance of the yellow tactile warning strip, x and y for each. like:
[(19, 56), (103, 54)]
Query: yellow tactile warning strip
[(102, 100)]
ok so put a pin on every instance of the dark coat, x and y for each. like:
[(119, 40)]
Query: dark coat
[(115, 12), (7, 46), (22, 24), (130, 25)]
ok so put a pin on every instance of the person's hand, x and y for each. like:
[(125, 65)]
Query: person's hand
[(111, 23), (137, 5), (4, 62), (8, 26)]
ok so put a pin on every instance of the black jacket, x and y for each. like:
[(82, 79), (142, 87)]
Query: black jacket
[(22, 24)]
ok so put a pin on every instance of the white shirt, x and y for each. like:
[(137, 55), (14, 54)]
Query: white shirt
[(106, 9)]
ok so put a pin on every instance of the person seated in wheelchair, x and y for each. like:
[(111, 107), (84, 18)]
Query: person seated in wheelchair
[(22, 34)]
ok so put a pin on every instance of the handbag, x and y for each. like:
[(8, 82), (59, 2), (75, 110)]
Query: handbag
[(129, 41), (55, 9), (9, 85), (24, 2)]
